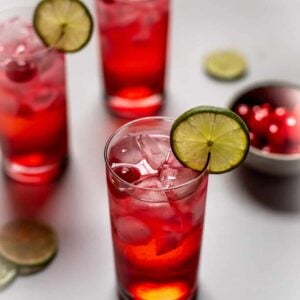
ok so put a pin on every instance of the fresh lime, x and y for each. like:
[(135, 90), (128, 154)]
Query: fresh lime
[(27, 243), (8, 273), (225, 65), (210, 132), (66, 25)]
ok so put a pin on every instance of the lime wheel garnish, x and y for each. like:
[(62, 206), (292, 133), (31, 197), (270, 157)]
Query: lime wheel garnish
[(210, 132), (66, 25)]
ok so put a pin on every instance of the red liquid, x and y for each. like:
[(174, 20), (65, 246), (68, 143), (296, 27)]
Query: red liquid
[(33, 125), (156, 235), (133, 46)]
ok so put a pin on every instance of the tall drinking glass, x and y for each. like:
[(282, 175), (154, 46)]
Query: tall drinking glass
[(157, 212), (133, 42), (33, 122)]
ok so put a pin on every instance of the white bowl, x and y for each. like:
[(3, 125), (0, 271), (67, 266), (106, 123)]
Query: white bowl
[(262, 161), (273, 164)]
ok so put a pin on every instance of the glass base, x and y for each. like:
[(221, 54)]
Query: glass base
[(134, 106), (34, 175), (167, 294)]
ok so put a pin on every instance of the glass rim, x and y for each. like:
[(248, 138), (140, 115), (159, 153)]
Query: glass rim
[(38, 53), (131, 185)]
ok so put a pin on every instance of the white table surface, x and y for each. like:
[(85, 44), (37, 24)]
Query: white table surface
[(251, 247)]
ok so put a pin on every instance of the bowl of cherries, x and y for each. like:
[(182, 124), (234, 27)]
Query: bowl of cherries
[(272, 114)]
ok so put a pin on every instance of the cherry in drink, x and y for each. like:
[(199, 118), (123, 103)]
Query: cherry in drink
[(157, 212), (133, 42), (33, 122)]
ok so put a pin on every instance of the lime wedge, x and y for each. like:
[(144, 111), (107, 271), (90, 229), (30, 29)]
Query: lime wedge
[(210, 131), (66, 25), (225, 65)]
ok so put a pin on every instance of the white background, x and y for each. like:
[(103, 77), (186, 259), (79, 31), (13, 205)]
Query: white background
[(251, 244)]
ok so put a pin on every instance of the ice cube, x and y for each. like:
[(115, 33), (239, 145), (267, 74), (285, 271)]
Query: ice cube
[(12, 32), (126, 151), (18, 38), (117, 14), (132, 231), (119, 206), (145, 24), (42, 98), (167, 241), (190, 209), (52, 63), (167, 176), (149, 190), (155, 149), (173, 177), (172, 161), (181, 191), (149, 13), (8, 101), (199, 200)]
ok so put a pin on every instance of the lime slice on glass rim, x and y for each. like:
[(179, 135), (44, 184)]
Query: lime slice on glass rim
[(208, 132), (66, 25)]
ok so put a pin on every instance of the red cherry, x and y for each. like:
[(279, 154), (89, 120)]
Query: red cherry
[(243, 110), (254, 140), (266, 106), (278, 115), (276, 135), (128, 173), (293, 129), (20, 71), (259, 120)]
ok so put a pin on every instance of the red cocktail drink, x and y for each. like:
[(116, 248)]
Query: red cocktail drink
[(133, 39), (33, 123), (157, 212)]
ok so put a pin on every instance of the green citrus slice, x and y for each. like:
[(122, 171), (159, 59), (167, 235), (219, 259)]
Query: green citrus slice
[(66, 25), (8, 273), (206, 131), (27, 243), (225, 65)]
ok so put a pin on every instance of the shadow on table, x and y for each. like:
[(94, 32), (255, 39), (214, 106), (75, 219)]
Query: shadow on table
[(26, 201), (281, 194)]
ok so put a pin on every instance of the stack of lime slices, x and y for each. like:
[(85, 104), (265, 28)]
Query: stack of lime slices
[(210, 137), (26, 247), (66, 25)]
